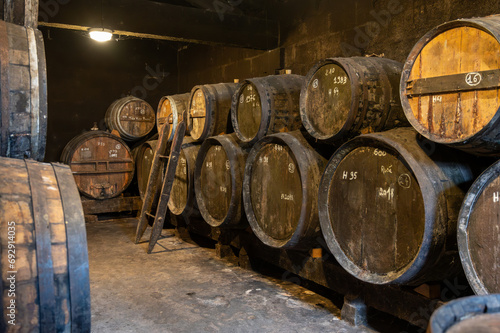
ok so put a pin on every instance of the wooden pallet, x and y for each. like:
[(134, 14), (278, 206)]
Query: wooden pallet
[(92, 208)]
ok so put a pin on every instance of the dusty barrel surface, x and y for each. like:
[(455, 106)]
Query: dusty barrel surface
[(23, 92), (280, 190), (218, 180), (132, 117), (478, 314), (43, 228), (266, 105), (170, 110), (143, 163), (344, 97), (388, 207), (479, 229), (450, 85), (102, 164), (209, 110), (182, 198)]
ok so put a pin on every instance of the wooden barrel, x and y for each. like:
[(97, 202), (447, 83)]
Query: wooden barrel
[(23, 92), (170, 109), (473, 314), (132, 117), (450, 85), (266, 105), (218, 179), (388, 207), (143, 163), (182, 199), (209, 110), (479, 229), (102, 164), (43, 243), (344, 97), (280, 190)]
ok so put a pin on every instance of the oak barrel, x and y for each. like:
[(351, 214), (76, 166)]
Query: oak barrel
[(23, 92), (473, 314), (388, 207), (143, 162), (344, 97), (266, 105), (170, 109), (102, 164), (479, 229), (450, 85), (280, 190), (43, 241), (182, 199), (132, 117), (218, 179), (209, 110)]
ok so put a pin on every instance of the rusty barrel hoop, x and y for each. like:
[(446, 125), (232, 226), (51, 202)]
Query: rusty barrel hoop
[(69, 153), (42, 211), (479, 198), (114, 121), (278, 100), (23, 92), (171, 109), (436, 254), (309, 165), (368, 98), (236, 156), (483, 141), (216, 111), (467, 314)]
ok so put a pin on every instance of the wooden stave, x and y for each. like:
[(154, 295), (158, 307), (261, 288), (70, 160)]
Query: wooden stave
[(112, 115), (462, 309), (69, 309), (26, 137), (237, 154), (268, 87), (307, 159), (387, 72), (178, 102), (191, 150), (138, 165), (466, 210), (70, 149), (218, 99), (483, 143), (429, 264)]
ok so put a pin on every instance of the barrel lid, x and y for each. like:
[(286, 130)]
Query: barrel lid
[(326, 99), (197, 113), (451, 80), (248, 112)]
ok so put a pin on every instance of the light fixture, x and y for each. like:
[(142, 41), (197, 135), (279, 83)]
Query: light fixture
[(100, 34)]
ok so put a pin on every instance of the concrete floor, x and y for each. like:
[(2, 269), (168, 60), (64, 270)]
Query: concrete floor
[(182, 287)]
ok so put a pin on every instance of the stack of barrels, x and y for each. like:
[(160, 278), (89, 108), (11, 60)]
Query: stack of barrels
[(389, 195), (43, 245)]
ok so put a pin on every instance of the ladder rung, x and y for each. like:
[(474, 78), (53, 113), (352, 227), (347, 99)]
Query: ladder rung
[(163, 156), (150, 215)]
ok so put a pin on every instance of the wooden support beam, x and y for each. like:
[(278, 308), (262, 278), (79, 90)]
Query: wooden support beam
[(176, 23)]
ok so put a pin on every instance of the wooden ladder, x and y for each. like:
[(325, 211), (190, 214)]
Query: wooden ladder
[(151, 196)]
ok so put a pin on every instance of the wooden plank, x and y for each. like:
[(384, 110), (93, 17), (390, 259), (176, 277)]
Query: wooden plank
[(115, 205), (21, 12), (489, 79)]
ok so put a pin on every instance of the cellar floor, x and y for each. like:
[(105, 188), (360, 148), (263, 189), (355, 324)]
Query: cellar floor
[(182, 287)]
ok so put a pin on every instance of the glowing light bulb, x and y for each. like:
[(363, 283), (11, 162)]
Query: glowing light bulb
[(100, 34)]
